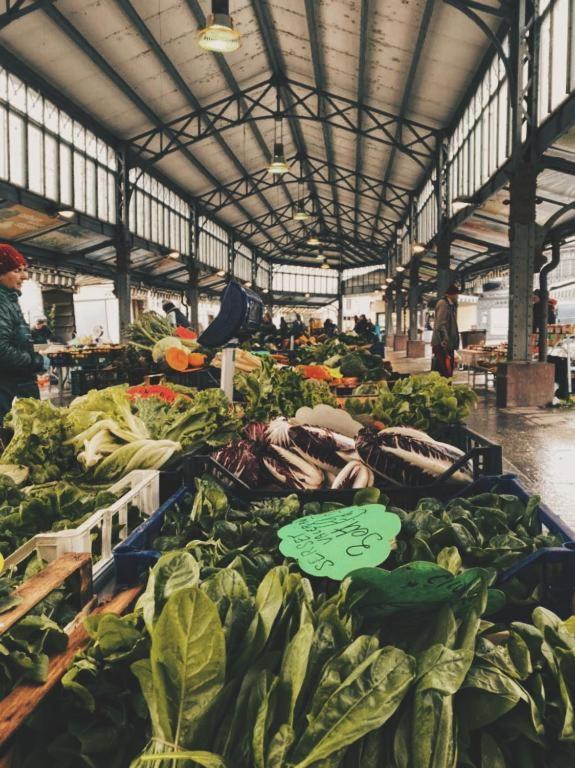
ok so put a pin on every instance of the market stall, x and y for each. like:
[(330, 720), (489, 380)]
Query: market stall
[(228, 577)]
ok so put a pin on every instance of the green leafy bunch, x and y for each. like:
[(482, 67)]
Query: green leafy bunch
[(427, 401), (274, 391), (50, 507), (491, 530), (39, 440)]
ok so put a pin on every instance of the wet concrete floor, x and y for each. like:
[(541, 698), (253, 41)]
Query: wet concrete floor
[(538, 443)]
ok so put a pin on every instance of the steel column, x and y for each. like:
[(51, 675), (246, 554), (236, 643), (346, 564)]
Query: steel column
[(398, 310), (340, 302), (523, 182), (122, 286), (544, 288), (192, 292), (443, 232), (413, 300), (388, 313)]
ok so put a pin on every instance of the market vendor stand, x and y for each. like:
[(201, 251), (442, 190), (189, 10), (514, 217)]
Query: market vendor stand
[(86, 368)]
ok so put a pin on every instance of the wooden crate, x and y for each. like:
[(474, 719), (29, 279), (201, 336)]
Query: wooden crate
[(76, 571)]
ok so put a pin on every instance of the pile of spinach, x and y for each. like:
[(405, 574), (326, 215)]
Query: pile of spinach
[(282, 676), (50, 507), (235, 660), (26, 648), (491, 530)]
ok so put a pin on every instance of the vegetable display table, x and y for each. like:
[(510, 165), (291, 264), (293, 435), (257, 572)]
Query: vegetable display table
[(86, 368)]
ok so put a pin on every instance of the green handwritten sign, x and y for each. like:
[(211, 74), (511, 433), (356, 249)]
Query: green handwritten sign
[(335, 543)]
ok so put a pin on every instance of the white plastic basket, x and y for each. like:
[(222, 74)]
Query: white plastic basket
[(141, 489)]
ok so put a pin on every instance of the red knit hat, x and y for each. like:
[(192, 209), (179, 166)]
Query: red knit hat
[(10, 258)]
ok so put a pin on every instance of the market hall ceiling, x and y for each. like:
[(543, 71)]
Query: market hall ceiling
[(384, 77)]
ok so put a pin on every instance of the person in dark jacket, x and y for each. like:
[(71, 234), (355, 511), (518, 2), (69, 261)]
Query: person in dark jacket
[(175, 315), (41, 334), (445, 339), (19, 364)]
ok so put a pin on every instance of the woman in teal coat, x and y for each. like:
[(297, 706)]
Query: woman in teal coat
[(19, 364)]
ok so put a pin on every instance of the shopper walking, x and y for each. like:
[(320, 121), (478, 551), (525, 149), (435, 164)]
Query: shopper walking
[(175, 315), (19, 364), (445, 339), (41, 333)]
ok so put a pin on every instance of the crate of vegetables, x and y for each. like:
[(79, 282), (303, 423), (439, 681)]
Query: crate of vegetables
[(323, 448), (492, 523), (137, 497)]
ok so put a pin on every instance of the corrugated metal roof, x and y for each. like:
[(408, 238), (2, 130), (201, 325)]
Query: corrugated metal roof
[(64, 42)]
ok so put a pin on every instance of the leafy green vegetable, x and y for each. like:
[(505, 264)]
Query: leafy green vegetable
[(427, 402), (273, 391), (39, 440)]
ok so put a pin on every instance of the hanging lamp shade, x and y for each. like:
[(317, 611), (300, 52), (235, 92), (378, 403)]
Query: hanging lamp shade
[(220, 35), (325, 265), (278, 165), (299, 212), (313, 240)]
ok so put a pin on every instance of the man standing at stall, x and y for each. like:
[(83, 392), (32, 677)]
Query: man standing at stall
[(19, 364), (445, 339)]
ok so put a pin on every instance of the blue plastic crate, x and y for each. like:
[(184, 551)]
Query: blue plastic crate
[(136, 555)]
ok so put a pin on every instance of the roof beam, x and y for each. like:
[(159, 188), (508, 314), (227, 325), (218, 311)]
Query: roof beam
[(418, 141), (284, 213), (312, 12), (70, 31), (321, 171), (180, 83), (15, 9), (362, 91), (278, 68), (232, 84), (411, 75), (559, 164)]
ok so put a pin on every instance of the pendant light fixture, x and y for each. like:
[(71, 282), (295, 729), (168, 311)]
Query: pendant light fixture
[(278, 165), (325, 265), (219, 36), (299, 211)]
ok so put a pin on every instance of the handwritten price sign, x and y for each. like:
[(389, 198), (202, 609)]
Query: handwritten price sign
[(335, 543)]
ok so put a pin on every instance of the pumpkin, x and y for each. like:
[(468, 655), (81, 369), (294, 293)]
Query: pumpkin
[(176, 359), (196, 360)]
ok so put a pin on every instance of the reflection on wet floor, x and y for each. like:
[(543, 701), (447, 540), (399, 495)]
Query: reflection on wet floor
[(538, 443)]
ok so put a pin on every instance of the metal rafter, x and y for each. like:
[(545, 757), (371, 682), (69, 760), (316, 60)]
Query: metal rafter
[(362, 90), (232, 84), (283, 214), (70, 30), (366, 249), (405, 99), (15, 9), (278, 68), (312, 11), (322, 172), (417, 140), (181, 84)]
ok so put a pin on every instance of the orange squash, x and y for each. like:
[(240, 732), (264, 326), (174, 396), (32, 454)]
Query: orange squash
[(176, 359), (196, 360)]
